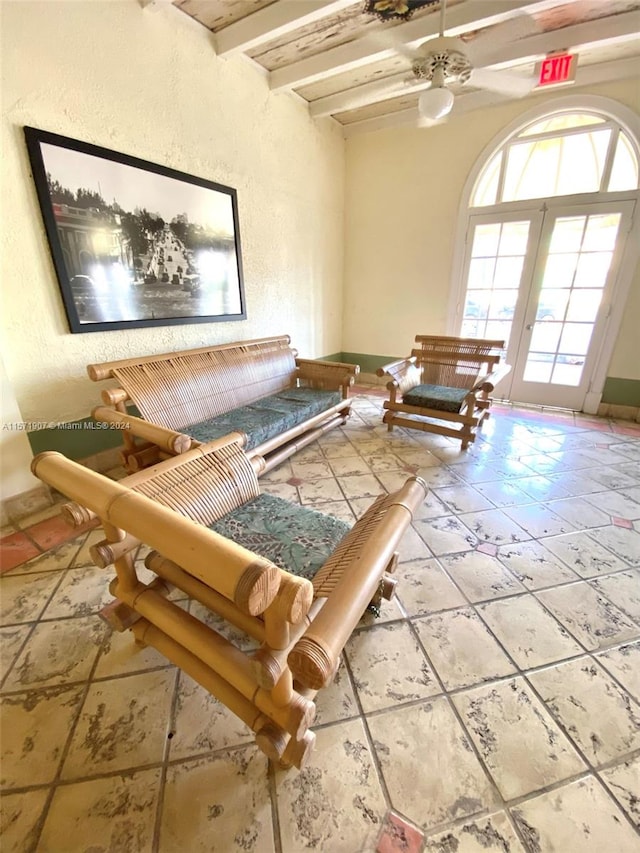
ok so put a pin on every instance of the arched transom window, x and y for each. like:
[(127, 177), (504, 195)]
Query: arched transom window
[(564, 154)]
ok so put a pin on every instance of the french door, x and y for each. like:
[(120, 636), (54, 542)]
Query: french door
[(543, 281)]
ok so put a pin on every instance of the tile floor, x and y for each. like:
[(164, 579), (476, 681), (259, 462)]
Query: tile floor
[(494, 706)]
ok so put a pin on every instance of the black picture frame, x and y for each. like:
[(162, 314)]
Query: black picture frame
[(135, 244)]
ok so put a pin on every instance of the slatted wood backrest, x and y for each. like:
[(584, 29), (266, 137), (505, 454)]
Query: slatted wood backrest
[(456, 362), (205, 487), (182, 388)]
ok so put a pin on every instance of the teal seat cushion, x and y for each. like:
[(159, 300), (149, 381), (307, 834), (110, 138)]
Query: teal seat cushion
[(295, 538), (439, 397), (268, 417)]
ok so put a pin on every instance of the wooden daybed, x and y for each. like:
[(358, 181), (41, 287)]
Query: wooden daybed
[(294, 580), (444, 386), (259, 388)]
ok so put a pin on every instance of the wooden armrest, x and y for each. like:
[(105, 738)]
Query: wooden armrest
[(166, 439), (329, 375), (403, 373), (488, 382), (238, 574), (359, 562)]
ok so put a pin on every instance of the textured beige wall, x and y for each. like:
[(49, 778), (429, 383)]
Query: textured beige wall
[(149, 84), (403, 194)]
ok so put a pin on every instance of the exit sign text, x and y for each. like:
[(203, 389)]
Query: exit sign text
[(557, 68)]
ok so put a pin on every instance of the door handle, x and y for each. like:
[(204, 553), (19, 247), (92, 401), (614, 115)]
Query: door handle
[(529, 326)]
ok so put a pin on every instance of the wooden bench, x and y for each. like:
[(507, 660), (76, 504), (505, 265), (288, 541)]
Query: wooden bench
[(293, 579), (260, 388), (444, 387)]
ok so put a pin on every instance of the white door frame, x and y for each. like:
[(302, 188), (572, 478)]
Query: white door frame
[(631, 124)]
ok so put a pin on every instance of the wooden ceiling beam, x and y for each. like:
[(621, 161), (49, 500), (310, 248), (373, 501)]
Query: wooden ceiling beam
[(275, 21), (606, 31), (460, 19)]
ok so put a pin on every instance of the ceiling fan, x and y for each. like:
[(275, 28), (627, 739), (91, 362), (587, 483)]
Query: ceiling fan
[(445, 60)]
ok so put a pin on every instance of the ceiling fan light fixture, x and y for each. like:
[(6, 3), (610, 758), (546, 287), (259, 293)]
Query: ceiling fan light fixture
[(435, 103)]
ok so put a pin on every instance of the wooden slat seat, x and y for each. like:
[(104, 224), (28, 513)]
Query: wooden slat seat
[(293, 579), (444, 387), (260, 387)]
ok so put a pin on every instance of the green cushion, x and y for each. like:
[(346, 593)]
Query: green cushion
[(268, 417), (439, 397), (295, 538)]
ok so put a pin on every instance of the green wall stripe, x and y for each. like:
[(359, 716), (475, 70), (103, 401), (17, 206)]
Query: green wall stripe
[(76, 439), (368, 363), (621, 392)]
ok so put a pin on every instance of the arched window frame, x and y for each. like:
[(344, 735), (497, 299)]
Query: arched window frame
[(630, 123)]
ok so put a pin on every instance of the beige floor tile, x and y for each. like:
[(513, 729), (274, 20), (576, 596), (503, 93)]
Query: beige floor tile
[(461, 648), (24, 597), (39, 723), (431, 772), (623, 663), (316, 470), (19, 816), (623, 590), (218, 804), (124, 724), (495, 526), (388, 667), (446, 535), (623, 542), (360, 486), (528, 632), (618, 504), (539, 520), (11, 640), (576, 817), (623, 781), (461, 499), (320, 491), (57, 652), (281, 490), (336, 802), (522, 747), (202, 724), (115, 814), (339, 509), (121, 655), (349, 466), (491, 834), (412, 547), (592, 619), (337, 701), (53, 561), (580, 513), (585, 556), (534, 565), (599, 716), (280, 474), (480, 576), (423, 587), (81, 592)]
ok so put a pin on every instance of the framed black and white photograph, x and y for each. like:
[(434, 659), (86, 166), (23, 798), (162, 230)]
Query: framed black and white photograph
[(134, 243)]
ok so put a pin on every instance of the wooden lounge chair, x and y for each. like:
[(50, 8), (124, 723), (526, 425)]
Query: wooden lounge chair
[(448, 380), (293, 579)]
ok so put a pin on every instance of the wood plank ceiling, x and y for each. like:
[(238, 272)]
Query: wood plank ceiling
[(336, 56)]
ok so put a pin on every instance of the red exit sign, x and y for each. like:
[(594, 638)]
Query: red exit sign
[(557, 68)]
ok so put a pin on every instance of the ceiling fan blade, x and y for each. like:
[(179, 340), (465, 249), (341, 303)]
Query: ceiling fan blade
[(485, 47), (386, 40), (427, 122), (501, 82)]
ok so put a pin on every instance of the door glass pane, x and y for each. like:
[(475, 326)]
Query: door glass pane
[(485, 240), (593, 269), (486, 190), (495, 271), (575, 274)]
